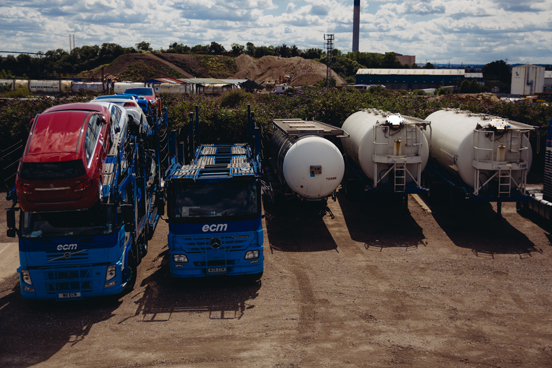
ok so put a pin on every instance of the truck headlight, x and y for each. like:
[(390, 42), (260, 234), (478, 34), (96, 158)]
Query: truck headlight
[(26, 277), (252, 254), (111, 272), (180, 258)]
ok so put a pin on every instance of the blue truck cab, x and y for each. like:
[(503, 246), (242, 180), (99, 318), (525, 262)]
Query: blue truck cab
[(214, 211)]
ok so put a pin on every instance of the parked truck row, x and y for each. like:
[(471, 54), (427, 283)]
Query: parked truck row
[(93, 182)]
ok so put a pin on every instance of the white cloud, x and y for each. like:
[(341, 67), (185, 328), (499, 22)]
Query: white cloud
[(475, 31)]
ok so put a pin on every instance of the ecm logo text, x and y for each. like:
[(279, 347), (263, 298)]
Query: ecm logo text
[(67, 247), (214, 227)]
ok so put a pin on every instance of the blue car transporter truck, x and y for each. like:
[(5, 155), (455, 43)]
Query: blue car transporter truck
[(214, 209), (68, 255)]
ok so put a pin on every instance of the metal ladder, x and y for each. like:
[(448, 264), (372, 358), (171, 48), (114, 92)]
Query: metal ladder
[(399, 171), (504, 182), (412, 137), (515, 141)]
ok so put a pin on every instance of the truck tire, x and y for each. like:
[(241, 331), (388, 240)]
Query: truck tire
[(133, 270)]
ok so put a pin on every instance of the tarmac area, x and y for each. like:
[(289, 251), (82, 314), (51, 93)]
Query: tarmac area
[(350, 285)]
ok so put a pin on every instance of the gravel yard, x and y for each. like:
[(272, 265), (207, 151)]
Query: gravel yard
[(377, 286)]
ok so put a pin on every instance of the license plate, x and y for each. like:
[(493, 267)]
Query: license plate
[(69, 295), (217, 270)]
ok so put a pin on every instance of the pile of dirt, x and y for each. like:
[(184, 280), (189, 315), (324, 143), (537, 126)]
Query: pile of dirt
[(270, 68), (188, 63), (160, 64), (267, 69)]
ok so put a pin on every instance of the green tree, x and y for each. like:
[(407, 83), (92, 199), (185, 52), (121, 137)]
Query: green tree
[(237, 49), (312, 54), (109, 52), (498, 70), (250, 49), (144, 46), (390, 61), (200, 49), (178, 48), (216, 48), (283, 51), (264, 51)]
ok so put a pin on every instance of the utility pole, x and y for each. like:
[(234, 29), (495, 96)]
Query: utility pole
[(329, 38)]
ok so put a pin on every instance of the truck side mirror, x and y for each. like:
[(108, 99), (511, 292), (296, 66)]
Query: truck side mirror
[(160, 204), (10, 219), (128, 216)]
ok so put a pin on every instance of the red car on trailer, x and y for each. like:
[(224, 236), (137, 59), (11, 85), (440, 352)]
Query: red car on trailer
[(62, 163), (149, 94)]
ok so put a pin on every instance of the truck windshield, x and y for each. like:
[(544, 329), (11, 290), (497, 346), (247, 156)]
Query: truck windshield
[(98, 220), (236, 199)]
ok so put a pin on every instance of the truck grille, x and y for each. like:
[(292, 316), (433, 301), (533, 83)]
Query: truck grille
[(74, 279), (69, 256), (229, 244), (69, 286), (68, 275), (220, 262)]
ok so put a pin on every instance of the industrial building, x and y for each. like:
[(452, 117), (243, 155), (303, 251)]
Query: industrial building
[(410, 79), (527, 80), (478, 77), (547, 80)]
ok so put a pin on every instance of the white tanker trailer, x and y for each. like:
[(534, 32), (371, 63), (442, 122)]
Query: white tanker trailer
[(386, 152), (486, 157), (303, 163)]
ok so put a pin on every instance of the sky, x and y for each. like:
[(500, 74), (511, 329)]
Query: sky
[(437, 31)]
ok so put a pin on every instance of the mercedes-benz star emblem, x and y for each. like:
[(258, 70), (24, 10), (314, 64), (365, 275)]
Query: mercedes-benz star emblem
[(215, 243)]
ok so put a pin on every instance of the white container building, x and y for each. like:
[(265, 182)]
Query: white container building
[(527, 80)]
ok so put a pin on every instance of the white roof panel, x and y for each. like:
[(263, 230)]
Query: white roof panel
[(412, 71)]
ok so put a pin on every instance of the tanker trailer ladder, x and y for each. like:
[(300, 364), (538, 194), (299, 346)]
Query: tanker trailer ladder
[(504, 180), (400, 177)]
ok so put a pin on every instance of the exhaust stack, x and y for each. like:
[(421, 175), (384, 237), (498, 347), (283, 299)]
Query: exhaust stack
[(356, 25)]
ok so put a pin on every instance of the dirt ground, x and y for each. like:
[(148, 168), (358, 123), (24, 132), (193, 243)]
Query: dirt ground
[(349, 286)]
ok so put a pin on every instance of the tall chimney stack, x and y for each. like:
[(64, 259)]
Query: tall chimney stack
[(356, 25)]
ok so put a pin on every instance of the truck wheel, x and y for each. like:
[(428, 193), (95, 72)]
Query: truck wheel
[(133, 270)]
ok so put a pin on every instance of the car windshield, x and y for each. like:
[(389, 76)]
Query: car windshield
[(51, 170), (139, 91), (98, 220), (237, 199)]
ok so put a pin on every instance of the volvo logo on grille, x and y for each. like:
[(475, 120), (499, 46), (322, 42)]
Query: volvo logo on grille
[(215, 243), (67, 255)]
